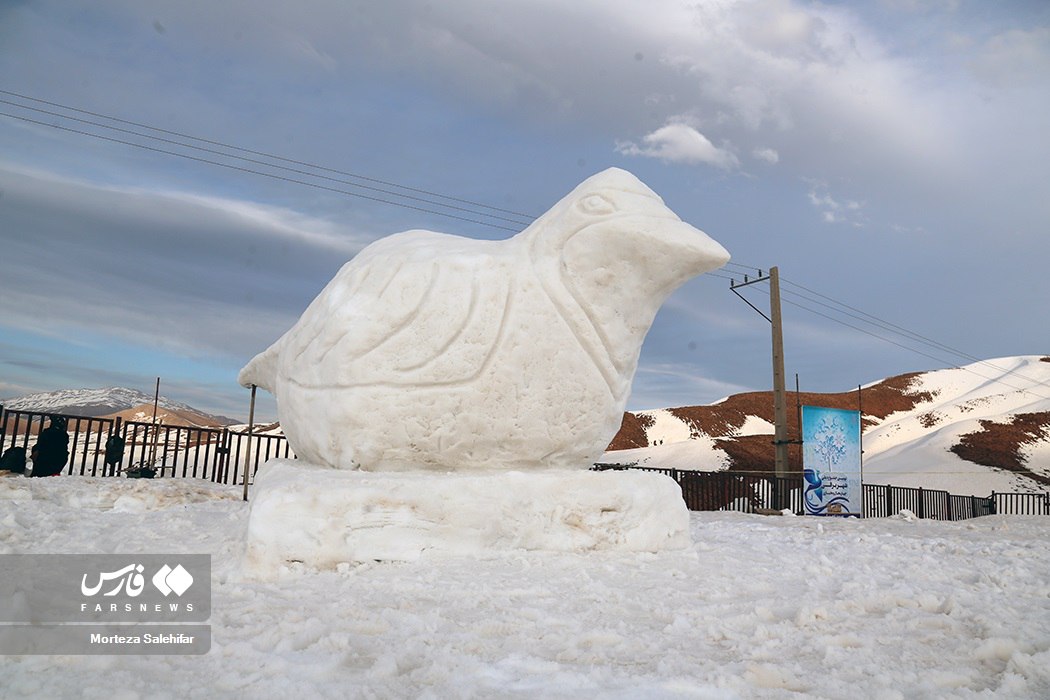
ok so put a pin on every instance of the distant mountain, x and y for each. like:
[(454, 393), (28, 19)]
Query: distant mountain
[(976, 429), (143, 413), (109, 402)]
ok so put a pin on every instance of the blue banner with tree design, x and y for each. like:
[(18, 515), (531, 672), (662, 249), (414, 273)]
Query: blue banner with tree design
[(831, 461)]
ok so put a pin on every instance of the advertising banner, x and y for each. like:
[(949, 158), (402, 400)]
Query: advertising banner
[(831, 461)]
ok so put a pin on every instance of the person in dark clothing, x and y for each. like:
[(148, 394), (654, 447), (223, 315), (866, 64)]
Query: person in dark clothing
[(13, 461), (114, 452), (52, 449)]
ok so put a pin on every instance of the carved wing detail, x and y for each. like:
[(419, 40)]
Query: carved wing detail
[(397, 321)]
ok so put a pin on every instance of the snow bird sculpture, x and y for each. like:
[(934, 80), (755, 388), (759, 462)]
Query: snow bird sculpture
[(432, 351)]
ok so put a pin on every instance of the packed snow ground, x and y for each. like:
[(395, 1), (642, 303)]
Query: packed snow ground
[(758, 607)]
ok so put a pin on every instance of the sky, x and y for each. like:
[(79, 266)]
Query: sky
[(889, 156)]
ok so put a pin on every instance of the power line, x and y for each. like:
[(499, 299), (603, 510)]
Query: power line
[(940, 360), (880, 322), (745, 268), (528, 217), (892, 327), (257, 162), (477, 217), (899, 330), (257, 172)]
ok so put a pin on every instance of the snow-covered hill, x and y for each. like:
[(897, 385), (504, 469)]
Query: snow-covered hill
[(107, 402), (974, 429)]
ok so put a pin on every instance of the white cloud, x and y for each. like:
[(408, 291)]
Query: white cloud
[(909, 230), (767, 154), (781, 27), (1014, 57), (130, 261), (302, 47), (833, 94), (834, 211), (920, 6), (680, 143)]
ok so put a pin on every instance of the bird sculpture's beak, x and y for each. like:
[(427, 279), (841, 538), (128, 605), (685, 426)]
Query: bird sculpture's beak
[(684, 248)]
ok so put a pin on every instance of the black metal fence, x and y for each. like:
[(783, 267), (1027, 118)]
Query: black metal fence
[(882, 500), (754, 492), (746, 492), (216, 454), (1022, 503)]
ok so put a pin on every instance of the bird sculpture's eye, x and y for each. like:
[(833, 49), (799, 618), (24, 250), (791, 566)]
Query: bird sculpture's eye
[(597, 204)]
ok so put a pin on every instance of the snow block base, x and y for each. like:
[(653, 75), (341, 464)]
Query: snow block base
[(322, 517)]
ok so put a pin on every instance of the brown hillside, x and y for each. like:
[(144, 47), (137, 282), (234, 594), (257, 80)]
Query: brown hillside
[(999, 444), (755, 452), (143, 413), (632, 432)]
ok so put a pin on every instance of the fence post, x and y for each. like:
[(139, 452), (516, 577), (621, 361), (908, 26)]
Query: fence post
[(224, 463), (993, 503), (224, 456), (247, 457), (119, 428)]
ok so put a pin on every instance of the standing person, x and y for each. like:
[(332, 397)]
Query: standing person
[(114, 452), (51, 449)]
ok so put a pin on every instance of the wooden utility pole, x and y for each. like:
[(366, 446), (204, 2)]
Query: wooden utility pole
[(860, 410), (780, 431), (153, 444), (780, 436)]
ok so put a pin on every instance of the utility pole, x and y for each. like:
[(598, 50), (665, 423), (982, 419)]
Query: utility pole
[(780, 432), (153, 445), (780, 438)]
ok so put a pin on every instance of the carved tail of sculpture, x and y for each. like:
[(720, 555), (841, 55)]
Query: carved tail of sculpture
[(261, 370)]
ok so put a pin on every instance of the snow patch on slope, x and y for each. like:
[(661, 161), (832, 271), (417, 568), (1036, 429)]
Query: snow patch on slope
[(906, 448), (698, 454), (913, 448), (753, 425), (666, 428)]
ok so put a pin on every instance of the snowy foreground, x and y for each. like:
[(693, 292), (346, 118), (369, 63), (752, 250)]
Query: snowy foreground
[(759, 607)]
